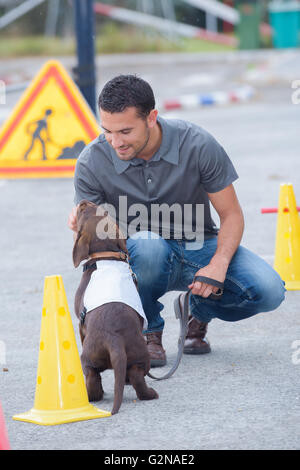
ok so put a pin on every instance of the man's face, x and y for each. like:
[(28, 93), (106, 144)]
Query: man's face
[(127, 132)]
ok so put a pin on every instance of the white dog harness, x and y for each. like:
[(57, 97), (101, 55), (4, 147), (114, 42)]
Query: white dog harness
[(112, 282)]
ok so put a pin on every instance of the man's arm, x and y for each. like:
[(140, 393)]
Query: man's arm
[(86, 187), (230, 234)]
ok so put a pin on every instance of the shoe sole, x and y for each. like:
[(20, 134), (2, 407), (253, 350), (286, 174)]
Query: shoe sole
[(157, 362), (197, 351)]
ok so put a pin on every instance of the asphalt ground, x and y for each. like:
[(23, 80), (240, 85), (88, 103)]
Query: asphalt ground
[(245, 394)]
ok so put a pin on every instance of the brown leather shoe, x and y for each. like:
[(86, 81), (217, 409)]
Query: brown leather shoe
[(156, 351), (195, 342)]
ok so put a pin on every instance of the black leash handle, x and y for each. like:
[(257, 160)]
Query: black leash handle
[(212, 282), (183, 315)]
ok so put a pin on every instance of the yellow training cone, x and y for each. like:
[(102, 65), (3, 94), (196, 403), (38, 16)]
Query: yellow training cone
[(287, 249), (61, 395)]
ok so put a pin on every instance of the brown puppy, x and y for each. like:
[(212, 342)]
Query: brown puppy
[(111, 334)]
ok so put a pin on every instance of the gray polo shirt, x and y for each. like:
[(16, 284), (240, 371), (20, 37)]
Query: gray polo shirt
[(189, 164)]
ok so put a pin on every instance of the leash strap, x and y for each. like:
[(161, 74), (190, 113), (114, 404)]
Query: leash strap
[(82, 316), (183, 319), (182, 315), (89, 266)]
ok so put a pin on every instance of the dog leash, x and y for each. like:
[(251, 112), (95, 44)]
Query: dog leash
[(182, 316)]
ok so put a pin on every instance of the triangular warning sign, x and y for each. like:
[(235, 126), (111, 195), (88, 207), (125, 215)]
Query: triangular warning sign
[(47, 129)]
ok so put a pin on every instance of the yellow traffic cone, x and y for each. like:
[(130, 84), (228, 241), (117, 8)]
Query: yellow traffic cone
[(61, 395), (287, 248)]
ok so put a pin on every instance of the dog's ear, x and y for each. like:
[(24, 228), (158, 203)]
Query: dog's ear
[(81, 248)]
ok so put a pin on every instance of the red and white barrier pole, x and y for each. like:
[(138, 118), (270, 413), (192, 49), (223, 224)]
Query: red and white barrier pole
[(274, 210), (144, 20)]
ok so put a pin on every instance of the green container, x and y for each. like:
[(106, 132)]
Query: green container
[(285, 22), (248, 28)]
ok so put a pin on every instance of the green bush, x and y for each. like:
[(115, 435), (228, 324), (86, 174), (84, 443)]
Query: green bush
[(111, 38)]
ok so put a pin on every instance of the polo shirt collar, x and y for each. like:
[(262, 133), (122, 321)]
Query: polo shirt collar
[(168, 150), (120, 165)]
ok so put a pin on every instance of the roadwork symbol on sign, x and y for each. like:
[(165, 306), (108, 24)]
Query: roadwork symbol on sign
[(48, 128)]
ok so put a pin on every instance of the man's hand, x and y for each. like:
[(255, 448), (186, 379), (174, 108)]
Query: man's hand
[(72, 220), (218, 273), (231, 229)]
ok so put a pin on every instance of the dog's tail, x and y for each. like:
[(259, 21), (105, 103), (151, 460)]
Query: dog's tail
[(118, 360)]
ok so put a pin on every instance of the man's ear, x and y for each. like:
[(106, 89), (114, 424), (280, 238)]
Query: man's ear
[(152, 118), (81, 248)]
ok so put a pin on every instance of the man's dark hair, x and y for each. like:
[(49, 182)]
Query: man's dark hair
[(126, 91)]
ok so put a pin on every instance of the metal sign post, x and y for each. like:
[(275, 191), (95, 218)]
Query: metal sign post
[(85, 75)]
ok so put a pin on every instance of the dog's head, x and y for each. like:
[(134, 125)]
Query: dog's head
[(97, 232)]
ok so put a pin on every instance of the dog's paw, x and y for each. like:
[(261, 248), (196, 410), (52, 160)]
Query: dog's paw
[(152, 394), (95, 396)]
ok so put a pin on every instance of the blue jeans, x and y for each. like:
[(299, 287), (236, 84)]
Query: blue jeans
[(251, 285)]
